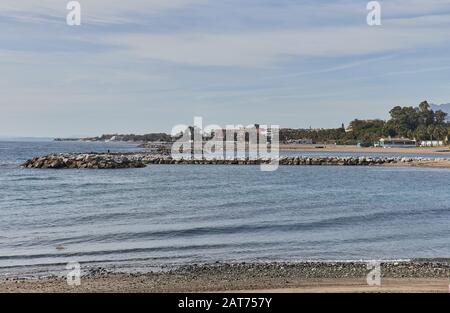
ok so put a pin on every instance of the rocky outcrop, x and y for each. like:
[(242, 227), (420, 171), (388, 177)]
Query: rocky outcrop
[(137, 160), (92, 161)]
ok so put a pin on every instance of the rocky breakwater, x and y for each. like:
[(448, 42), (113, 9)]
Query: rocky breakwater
[(87, 160), (141, 159), (291, 160)]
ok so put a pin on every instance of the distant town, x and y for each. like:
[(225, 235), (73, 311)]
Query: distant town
[(407, 127)]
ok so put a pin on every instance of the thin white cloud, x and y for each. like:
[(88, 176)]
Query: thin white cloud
[(414, 7), (415, 71), (93, 11), (340, 67), (267, 48), (99, 77), (130, 11)]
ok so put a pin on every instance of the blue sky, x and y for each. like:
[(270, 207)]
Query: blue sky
[(141, 66)]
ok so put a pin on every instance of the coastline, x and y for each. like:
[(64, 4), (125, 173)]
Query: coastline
[(399, 276), (444, 150)]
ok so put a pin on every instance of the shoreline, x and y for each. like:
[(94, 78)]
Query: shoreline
[(396, 276), (443, 150)]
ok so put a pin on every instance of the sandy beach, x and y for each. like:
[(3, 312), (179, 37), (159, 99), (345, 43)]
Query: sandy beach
[(405, 276), (354, 149), (432, 163)]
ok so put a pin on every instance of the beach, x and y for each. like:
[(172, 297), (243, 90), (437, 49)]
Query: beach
[(400, 276), (225, 147), (329, 148), (144, 229)]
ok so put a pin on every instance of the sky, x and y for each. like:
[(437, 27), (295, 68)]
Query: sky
[(141, 66)]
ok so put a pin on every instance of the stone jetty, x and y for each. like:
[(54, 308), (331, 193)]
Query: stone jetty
[(141, 159), (86, 160)]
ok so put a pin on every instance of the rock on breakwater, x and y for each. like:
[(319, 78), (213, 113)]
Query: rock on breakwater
[(141, 159)]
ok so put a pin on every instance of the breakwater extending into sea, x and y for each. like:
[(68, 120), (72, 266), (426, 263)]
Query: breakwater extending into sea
[(138, 219), (141, 159)]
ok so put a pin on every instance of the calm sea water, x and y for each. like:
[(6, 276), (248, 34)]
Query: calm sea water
[(134, 219)]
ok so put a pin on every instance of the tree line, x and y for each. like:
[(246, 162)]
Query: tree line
[(420, 123)]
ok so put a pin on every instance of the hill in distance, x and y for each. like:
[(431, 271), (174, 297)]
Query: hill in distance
[(444, 107)]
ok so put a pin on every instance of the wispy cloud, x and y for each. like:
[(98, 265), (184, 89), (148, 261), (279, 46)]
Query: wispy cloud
[(142, 65), (94, 11), (267, 48)]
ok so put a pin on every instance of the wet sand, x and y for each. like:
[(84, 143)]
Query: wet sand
[(414, 276)]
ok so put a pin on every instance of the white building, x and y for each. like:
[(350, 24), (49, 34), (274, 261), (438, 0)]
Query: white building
[(396, 143), (304, 141), (431, 143)]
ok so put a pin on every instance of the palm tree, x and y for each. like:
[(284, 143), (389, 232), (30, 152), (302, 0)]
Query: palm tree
[(440, 132)]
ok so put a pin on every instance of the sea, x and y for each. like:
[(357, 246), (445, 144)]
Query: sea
[(161, 216)]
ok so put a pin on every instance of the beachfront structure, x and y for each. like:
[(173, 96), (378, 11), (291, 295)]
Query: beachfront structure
[(396, 143), (431, 143), (304, 141), (242, 132)]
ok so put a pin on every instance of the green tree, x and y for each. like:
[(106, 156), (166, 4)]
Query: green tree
[(421, 133), (440, 132), (440, 117)]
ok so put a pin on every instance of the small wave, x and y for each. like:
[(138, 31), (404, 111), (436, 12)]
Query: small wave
[(8, 165), (241, 228), (34, 178), (112, 252), (263, 227)]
